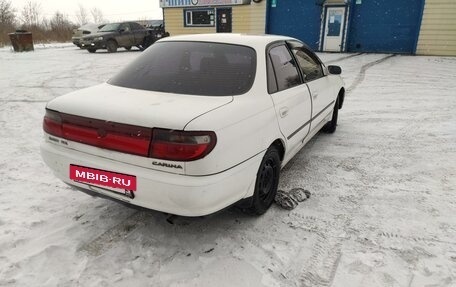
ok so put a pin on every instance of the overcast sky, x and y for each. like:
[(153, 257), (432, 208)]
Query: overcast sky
[(112, 10)]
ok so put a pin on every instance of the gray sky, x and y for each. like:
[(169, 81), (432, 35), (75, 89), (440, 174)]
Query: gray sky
[(112, 10)]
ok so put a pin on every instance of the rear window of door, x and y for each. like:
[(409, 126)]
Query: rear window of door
[(136, 26), (284, 68), (125, 27)]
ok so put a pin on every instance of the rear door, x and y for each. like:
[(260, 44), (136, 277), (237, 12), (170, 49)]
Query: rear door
[(125, 37), (139, 32), (290, 95), (321, 89)]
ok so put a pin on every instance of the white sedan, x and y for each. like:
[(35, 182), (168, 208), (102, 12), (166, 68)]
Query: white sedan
[(195, 124)]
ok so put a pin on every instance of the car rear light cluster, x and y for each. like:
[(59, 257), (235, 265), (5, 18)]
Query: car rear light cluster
[(181, 145), (155, 143)]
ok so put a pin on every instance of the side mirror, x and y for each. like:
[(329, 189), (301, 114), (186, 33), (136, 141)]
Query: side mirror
[(335, 70), (121, 30)]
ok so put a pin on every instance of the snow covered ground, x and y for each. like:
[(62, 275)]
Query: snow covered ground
[(382, 211)]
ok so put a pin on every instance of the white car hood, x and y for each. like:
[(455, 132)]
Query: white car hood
[(136, 107)]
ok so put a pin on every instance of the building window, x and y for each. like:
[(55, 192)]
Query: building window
[(199, 18)]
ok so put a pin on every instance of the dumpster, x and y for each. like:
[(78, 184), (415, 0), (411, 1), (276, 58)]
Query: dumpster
[(21, 40)]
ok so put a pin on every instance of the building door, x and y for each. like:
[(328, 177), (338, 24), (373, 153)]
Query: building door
[(387, 26), (224, 20), (334, 27)]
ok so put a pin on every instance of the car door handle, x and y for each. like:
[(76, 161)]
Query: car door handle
[(283, 112)]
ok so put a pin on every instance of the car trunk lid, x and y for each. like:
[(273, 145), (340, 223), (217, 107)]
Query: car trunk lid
[(91, 114), (136, 107)]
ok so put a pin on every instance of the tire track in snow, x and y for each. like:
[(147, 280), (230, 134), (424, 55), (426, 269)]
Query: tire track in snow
[(326, 251), (325, 258), (118, 232), (343, 58), (331, 232), (362, 73), (392, 235), (24, 101)]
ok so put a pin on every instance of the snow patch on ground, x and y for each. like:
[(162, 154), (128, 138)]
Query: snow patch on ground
[(381, 212)]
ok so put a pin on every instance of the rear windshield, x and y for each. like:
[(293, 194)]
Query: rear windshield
[(193, 68)]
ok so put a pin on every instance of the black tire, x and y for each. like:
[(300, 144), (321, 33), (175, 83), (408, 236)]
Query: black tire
[(266, 183), (111, 45), (148, 40), (331, 126), (91, 50), (128, 48)]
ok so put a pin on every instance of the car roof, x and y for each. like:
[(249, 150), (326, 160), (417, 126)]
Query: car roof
[(89, 27), (123, 22), (259, 41)]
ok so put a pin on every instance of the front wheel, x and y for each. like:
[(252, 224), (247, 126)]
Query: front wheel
[(128, 48), (111, 46), (331, 126), (91, 50), (266, 183)]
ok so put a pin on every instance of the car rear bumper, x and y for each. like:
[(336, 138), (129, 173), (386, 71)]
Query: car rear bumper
[(162, 191)]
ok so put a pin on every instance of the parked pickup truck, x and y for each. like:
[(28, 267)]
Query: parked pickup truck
[(124, 34)]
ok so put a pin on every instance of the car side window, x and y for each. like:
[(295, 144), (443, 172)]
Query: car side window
[(310, 68), (136, 26), (272, 83), (125, 27), (285, 70)]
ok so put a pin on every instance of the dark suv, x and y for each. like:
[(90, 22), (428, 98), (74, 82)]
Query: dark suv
[(124, 34)]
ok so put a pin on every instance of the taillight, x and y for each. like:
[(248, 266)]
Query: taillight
[(52, 123), (108, 135), (137, 140), (181, 145), (104, 134)]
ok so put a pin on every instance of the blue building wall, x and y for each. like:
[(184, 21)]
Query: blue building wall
[(389, 26), (298, 19)]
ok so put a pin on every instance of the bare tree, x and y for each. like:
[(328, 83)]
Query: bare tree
[(61, 27), (31, 14), (82, 15), (7, 20), (6, 13), (45, 24), (97, 15), (57, 28)]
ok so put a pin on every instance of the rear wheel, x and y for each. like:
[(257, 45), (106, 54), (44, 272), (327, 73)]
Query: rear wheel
[(331, 126), (111, 45), (91, 50), (266, 182), (128, 48), (148, 40)]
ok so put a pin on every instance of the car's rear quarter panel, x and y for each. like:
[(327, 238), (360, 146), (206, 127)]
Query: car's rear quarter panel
[(245, 128)]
